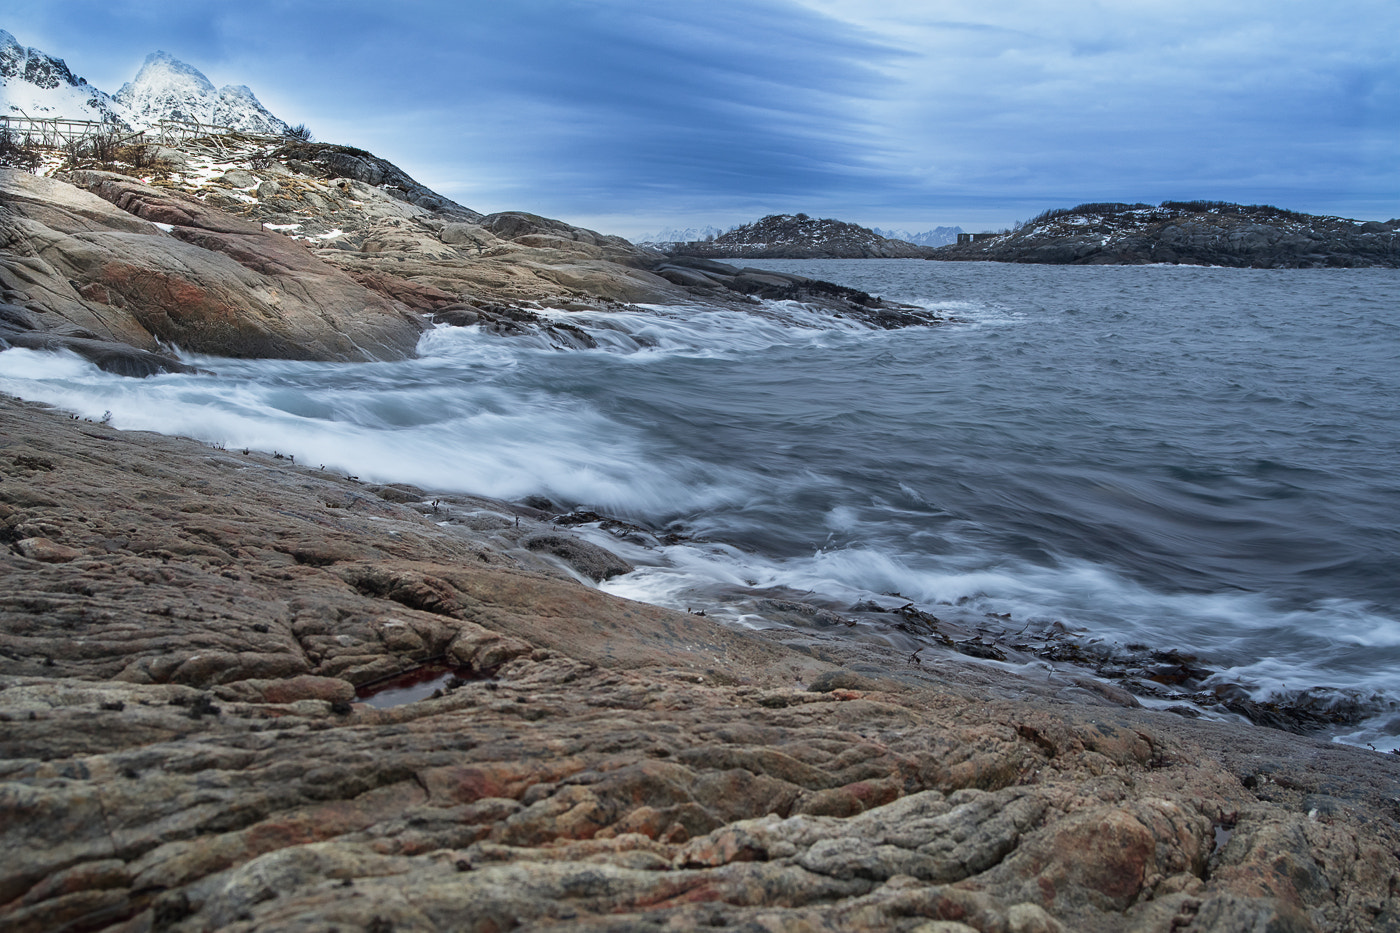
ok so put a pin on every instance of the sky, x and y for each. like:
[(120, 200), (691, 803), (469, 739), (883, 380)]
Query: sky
[(630, 116)]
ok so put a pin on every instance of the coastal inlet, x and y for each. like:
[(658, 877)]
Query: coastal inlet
[(1184, 464)]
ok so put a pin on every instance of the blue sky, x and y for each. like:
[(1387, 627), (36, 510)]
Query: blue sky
[(632, 115)]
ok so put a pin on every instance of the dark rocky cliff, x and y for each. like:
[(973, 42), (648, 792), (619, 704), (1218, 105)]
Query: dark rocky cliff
[(797, 236), (1207, 233)]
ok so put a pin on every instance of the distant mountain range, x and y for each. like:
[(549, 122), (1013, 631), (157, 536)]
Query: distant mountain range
[(674, 235), (938, 236), (38, 85)]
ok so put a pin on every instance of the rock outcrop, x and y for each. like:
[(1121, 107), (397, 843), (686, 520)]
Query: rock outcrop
[(708, 278), (183, 630), (1207, 233), (254, 248), (368, 218), (797, 236), (123, 262), (308, 261)]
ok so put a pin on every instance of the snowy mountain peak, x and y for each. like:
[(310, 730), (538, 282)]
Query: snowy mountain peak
[(168, 89), (162, 71), (38, 85), (688, 235), (938, 236)]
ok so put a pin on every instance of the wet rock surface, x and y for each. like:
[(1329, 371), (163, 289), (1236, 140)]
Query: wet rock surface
[(715, 280), (182, 631)]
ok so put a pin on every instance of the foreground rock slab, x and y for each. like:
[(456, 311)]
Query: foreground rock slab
[(183, 629)]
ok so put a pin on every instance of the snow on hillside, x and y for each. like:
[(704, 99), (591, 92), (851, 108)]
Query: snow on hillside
[(38, 85), (168, 89)]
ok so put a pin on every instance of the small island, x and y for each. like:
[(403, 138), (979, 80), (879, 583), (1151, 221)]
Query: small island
[(798, 236)]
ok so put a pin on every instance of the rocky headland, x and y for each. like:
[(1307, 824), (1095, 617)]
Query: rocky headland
[(248, 247), (797, 236), (1203, 233)]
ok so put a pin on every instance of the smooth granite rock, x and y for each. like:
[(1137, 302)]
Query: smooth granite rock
[(211, 283)]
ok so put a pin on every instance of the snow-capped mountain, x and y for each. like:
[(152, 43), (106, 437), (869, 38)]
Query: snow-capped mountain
[(38, 85), (167, 89), (688, 235), (938, 236)]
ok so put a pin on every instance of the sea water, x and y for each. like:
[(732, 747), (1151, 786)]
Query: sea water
[(1204, 460)]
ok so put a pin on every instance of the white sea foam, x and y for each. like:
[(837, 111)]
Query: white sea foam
[(480, 441)]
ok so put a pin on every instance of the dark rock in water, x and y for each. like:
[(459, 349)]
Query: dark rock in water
[(1300, 714), (117, 358), (625, 531), (707, 275), (584, 556), (977, 648), (509, 321), (460, 316), (538, 503), (579, 517)]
